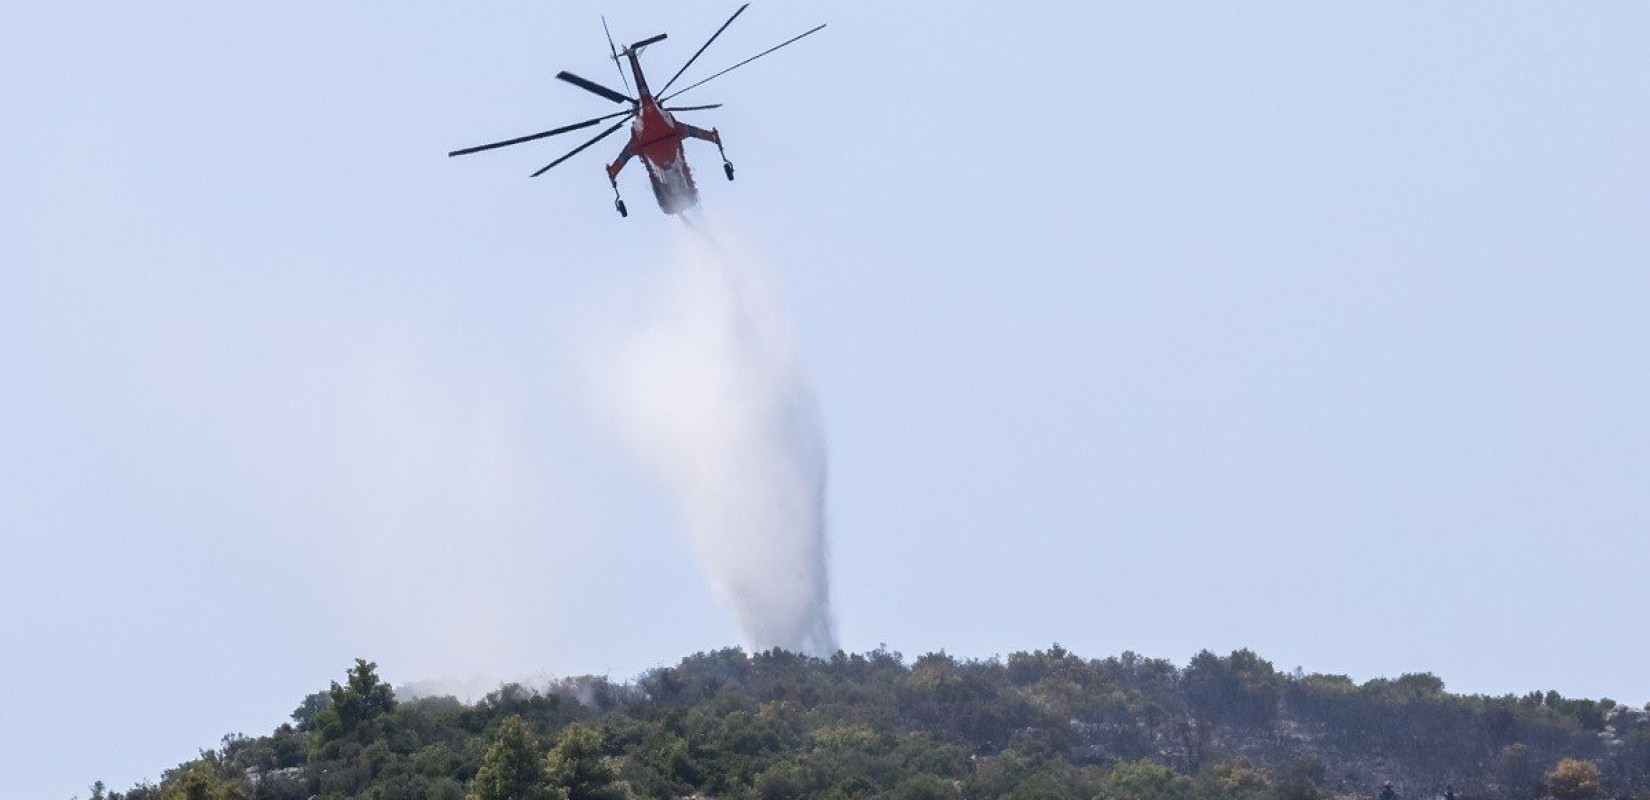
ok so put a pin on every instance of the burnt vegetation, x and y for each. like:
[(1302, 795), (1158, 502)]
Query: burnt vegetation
[(1043, 725)]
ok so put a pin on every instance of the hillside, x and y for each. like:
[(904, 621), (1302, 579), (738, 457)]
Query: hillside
[(1045, 725)]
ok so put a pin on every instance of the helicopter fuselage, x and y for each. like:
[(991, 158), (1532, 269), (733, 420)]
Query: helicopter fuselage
[(656, 137)]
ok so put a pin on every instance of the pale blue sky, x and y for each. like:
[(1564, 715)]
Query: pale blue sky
[(1313, 328)]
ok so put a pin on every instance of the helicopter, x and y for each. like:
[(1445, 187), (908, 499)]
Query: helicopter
[(656, 135)]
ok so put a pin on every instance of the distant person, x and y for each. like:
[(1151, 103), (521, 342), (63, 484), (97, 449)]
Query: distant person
[(1387, 793), (1449, 793)]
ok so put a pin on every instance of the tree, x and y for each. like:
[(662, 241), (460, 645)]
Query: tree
[(1516, 771), (785, 780), (1240, 689), (578, 767), (1573, 779), (306, 712), (198, 782), (659, 765), (1301, 779), (1236, 780), (1143, 780), (354, 707), (512, 769), (365, 698)]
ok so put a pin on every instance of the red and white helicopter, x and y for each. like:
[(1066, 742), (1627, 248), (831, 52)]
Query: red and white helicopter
[(655, 133)]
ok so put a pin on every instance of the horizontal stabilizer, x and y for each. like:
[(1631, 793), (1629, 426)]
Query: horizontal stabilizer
[(645, 42)]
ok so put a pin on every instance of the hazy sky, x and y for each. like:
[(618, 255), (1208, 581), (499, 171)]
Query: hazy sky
[(1315, 328)]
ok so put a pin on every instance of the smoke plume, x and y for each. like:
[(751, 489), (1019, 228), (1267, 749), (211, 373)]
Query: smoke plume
[(711, 395)]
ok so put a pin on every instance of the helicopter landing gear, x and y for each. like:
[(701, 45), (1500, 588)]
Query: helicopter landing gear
[(618, 202), (727, 166), (715, 137)]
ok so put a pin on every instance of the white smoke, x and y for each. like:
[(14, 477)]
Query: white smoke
[(710, 393)]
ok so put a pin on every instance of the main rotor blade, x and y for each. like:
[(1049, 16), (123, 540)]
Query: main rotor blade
[(581, 148), (693, 108), (614, 51), (746, 61), (702, 48), (594, 87), (531, 137)]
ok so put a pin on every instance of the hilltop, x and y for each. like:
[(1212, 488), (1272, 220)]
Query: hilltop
[(1044, 725)]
